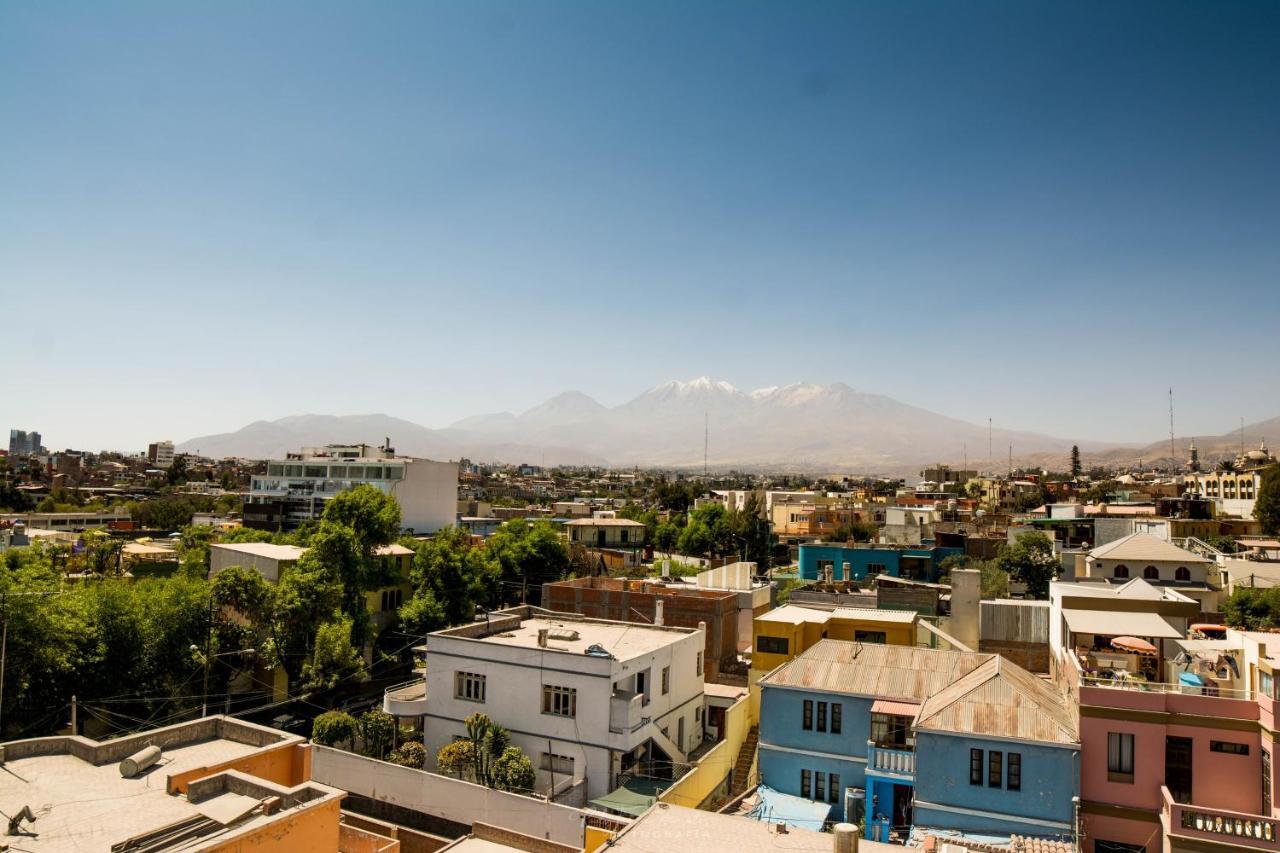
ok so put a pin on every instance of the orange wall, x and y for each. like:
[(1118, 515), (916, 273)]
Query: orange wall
[(286, 765), (312, 829)]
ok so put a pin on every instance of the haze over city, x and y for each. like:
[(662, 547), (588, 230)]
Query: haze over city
[(1038, 213)]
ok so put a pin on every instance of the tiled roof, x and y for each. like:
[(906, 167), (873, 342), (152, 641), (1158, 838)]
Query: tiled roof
[(1143, 546), (1000, 699)]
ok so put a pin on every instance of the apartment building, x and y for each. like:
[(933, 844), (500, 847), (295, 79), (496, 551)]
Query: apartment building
[(295, 489), (920, 737), (23, 443), (588, 700), (160, 454), (1160, 563), (67, 522), (785, 632)]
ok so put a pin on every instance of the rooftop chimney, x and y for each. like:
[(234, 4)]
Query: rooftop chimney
[(844, 838), (542, 638), (657, 612)]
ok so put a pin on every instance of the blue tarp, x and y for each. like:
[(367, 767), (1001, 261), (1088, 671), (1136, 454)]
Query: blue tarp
[(1191, 679), (776, 807)]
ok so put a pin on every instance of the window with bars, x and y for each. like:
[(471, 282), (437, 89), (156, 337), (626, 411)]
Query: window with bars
[(833, 786), (806, 719), (559, 701), (819, 785), (975, 767), (836, 714), (806, 781), (822, 718), (1013, 771)]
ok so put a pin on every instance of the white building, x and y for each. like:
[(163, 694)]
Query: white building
[(295, 489), (266, 559), (1160, 563), (585, 699), (160, 454)]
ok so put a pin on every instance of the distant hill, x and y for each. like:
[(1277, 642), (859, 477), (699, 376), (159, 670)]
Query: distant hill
[(800, 427)]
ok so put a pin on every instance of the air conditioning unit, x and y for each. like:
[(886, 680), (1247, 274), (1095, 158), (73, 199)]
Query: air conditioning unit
[(855, 805)]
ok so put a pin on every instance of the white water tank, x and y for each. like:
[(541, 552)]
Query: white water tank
[(139, 761), (844, 838)]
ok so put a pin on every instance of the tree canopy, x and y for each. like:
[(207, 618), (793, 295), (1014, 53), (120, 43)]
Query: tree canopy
[(1030, 560)]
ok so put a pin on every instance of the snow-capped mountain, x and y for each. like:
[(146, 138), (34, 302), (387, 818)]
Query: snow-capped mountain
[(801, 426)]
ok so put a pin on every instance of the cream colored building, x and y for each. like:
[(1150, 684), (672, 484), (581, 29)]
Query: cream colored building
[(1158, 562)]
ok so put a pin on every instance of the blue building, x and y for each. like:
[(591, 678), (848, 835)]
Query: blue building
[(902, 731), (858, 562)]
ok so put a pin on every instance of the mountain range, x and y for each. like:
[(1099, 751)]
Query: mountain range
[(799, 427)]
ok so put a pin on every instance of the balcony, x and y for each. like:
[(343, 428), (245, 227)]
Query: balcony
[(894, 762), (406, 700), (626, 712), (1187, 826)]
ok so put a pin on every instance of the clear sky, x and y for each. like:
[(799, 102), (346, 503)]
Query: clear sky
[(212, 213)]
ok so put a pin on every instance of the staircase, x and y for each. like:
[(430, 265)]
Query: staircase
[(742, 768)]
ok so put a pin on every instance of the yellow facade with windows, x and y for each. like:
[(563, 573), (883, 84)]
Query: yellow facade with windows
[(783, 633)]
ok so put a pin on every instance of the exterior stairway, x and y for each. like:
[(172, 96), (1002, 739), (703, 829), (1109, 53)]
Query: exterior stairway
[(742, 768)]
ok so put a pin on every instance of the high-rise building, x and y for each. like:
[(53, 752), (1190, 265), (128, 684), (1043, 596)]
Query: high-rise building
[(23, 443), (295, 489), (160, 454)]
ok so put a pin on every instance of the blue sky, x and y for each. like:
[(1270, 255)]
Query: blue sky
[(212, 213)]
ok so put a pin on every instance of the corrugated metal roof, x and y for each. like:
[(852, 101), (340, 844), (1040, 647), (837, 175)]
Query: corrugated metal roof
[(1009, 620), (1001, 699), (875, 614), (870, 669)]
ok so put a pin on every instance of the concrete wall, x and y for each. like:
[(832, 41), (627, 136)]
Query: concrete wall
[(428, 495), (221, 557), (448, 799), (946, 800)]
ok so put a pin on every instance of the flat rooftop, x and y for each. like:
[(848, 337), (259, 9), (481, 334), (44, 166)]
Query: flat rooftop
[(80, 806), (264, 549), (624, 640)]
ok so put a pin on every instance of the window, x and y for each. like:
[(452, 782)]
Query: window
[(1013, 772), (1151, 573), (772, 645), (392, 599), (975, 767), (557, 763), (819, 785), (805, 790), (869, 637), (836, 709), (822, 718), (875, 568), (1120, 571), (274, 470), (806, 722), (1266, 782), (890, 731), (315, 471), (337, 472), (468, 686), (1119, 757), (994, 768), (666, 680), (622, 535), (699, 663), (1228, 747), (1182, 573), (1264, 684), (559, 701), (833, 788)]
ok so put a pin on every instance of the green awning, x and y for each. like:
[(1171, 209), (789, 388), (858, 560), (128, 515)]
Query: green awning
[(634, 797)]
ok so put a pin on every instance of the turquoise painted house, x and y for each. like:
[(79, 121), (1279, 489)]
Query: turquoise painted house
[(896, 736), (858, 562)]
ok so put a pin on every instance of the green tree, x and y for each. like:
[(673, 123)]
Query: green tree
[(1075, 462), (855, 531), (1030, 560), (513, 771), (333, 728), (377, 730), (530, 554), (1266, 508), (458, 758), (412, 754), (372, 516), (452, 575), (666, 536), (695, 540), (1099, 493), (1253, 608), (334, 659)]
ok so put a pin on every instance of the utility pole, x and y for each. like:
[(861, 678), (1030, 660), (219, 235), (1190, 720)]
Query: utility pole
[(4, 650), (991, 458), (75, 730), (706, 441), (1173, 454), (208, 642)]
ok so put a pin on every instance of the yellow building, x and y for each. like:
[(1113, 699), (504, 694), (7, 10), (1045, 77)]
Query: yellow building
[(781, 634)]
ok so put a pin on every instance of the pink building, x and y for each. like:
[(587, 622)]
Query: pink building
[(1175, 746)]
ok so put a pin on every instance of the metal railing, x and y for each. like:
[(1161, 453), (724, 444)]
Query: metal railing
[(1166, 687)]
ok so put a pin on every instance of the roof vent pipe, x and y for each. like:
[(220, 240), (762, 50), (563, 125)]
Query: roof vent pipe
[(657, 612)]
